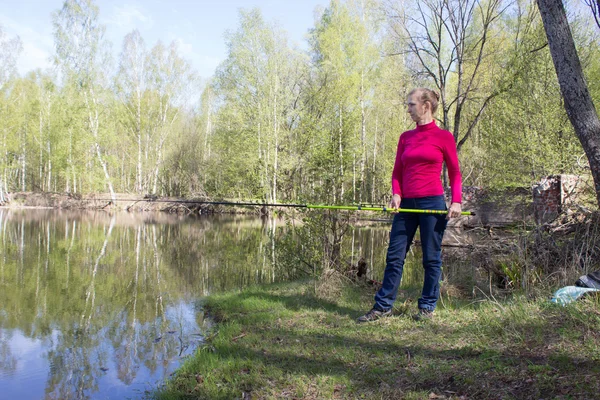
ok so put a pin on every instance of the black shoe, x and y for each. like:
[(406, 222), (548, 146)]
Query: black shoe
[(423, 315), (374, 315)]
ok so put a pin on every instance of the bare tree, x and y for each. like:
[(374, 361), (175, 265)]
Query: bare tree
[(131, 86), (577, 99), (447, 42)]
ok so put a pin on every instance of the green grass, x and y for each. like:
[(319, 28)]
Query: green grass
[(284, 342)]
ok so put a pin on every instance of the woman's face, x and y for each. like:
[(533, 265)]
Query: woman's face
[(416, 109)]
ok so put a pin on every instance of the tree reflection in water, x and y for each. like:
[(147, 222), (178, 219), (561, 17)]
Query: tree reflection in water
[(113, 299)]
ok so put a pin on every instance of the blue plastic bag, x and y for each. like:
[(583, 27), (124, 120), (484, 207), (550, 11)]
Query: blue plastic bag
[(569, 294)]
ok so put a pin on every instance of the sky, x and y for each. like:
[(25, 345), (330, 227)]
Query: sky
[(197, 25)]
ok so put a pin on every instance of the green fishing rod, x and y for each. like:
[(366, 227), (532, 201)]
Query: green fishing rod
[(384, 209), (359, 207)]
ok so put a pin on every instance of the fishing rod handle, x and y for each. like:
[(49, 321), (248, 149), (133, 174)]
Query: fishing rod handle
[(417, 211)]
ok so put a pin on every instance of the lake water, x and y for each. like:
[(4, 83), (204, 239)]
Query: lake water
[(97, 306), (106, 306)]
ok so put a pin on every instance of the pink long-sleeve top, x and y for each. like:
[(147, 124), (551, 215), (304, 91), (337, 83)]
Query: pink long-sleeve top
[(418, 166)]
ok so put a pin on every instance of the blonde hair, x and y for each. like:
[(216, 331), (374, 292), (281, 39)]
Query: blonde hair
[(427, 95)]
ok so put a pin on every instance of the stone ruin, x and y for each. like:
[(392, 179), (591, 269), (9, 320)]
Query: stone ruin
[(552, 194)]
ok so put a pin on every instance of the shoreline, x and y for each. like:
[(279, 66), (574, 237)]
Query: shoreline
[(102, 201)]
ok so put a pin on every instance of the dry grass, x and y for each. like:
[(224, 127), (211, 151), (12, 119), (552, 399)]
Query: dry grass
[(551, 255)]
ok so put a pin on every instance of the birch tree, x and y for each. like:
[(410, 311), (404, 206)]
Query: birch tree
[(10, 49), (131, 85), (169, 76), (20, 141), (335, 48), (388, 119), (207, 100), (258, 79), (81, 55), (204, 123), (48, 142), (369, 62)]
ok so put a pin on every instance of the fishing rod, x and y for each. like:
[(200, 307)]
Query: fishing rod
[(385, 209), (358, 207)]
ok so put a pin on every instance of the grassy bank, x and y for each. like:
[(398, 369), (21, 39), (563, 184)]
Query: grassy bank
[(285, 342)]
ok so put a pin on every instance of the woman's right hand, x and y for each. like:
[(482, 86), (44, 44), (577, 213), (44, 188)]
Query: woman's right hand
[(395, 203)]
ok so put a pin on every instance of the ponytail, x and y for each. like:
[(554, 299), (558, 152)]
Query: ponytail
[(428, 95)]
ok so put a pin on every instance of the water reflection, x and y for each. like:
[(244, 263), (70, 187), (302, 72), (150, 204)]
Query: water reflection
[(106, 306), (94, 305)]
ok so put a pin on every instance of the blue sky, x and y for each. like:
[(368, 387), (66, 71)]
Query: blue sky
[(198, 26)]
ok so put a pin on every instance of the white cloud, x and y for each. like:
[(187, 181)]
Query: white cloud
[(205, 65), (209, 65), (184, 47), (33, 57), (127, 16), (38, 44)]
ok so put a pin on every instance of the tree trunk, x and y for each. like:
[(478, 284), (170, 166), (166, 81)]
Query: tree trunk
[(578, 102), (341, 149), (156, 169), (23, 163), (70, 166), (93, 125), (41, 160), (139, 186), (354, 177), (374, 165), (363, 137), (49, 165), (208, 129), (105, 169), (276, 137)]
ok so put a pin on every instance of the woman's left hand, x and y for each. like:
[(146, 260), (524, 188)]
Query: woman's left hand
[(454, 210)]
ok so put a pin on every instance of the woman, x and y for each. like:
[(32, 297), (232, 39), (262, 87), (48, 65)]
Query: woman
[(416, 184)]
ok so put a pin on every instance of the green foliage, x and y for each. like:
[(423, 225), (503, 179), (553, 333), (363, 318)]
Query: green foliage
[(315, 244), (524, 133), (281, 124), (326, 242)]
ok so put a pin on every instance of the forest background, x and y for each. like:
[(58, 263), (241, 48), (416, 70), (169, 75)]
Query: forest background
[(278, 123)]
